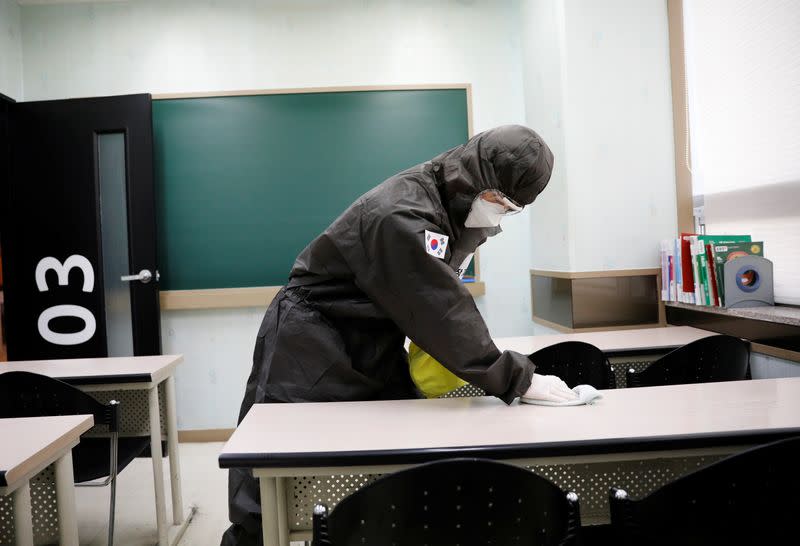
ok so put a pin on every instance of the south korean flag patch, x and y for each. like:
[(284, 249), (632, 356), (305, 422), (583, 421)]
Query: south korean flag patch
[(435, 244)]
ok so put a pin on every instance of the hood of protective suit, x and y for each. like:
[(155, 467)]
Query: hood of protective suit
[(511, 158)]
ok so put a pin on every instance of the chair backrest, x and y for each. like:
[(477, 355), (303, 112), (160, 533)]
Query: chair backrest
[(456, 501), (748, 498), (576, 363), (26, 394), (714, 358)]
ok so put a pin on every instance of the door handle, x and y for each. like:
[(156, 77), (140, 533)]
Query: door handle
[(144, 276)]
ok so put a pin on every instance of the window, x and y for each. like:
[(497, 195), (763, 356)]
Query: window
[(743, 84)]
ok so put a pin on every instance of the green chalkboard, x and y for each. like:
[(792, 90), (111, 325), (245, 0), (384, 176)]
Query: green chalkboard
[(244, 183)]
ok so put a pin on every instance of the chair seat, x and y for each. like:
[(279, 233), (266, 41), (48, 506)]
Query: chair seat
[(453, 501), (90, 457), (706, 360), (576, 363)]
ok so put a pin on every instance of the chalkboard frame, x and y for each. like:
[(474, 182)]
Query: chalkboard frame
[(223, 298)]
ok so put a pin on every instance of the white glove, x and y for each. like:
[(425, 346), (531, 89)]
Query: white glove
[(549, 388)]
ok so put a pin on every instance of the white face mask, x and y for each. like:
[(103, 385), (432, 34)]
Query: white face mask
[(485, 214), (488, 213)]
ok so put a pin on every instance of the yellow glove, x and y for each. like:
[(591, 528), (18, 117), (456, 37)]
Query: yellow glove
[(430, 377)]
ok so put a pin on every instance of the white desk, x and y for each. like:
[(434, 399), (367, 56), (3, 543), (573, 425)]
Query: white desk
[(30, 445), (107, 377), (625, 349), (357, 438), (613, 343)]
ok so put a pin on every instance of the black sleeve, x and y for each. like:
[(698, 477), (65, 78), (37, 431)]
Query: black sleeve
[(428, 301)]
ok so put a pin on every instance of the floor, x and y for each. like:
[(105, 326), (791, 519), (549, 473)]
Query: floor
[(204, 486)]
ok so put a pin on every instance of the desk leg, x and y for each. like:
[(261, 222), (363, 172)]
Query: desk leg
[(65, 498), (269, 511), (158, 470), (283, 520), (174, 456), (23, 517)]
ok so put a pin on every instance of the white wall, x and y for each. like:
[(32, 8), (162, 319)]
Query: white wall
[(217, 346), (77, 50), (146, 46), (618, 131), (542, 36), (597, 75), (10, 50)]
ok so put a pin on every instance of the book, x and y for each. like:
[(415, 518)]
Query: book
[(662, 253), (671, 260), (718, 278), (726, 252), (702, 266), (687, 272), (699, 255), (678, 296), (712, 276), (667, 269), (694, 245)]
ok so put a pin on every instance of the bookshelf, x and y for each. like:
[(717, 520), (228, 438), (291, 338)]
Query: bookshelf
[(773, 330)]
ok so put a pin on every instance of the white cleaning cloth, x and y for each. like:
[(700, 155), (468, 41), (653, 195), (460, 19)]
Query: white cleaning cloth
[(586, 395)]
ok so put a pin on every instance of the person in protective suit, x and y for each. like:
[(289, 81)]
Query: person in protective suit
[(387, 268)]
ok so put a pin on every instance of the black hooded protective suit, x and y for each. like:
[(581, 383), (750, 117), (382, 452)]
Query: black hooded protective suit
[(336, 331)]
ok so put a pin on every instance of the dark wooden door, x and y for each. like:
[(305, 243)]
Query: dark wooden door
[(78, 230)]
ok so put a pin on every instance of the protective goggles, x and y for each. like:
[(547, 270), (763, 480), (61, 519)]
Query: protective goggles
[(488, 208), (496, 196)]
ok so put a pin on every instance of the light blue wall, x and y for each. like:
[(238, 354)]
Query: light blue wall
[(10, 50), (542, 33), (217, 347), (768, 367), (597, 82)]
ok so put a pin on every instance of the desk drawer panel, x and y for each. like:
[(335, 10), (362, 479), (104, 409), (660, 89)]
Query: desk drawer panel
[(44, 508), (303, 493), (591, 481), (134, 410)]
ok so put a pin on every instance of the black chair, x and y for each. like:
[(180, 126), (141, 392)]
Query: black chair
[(748, 498), (576, 363), (456, 501), (25, 394), (714, 358)]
